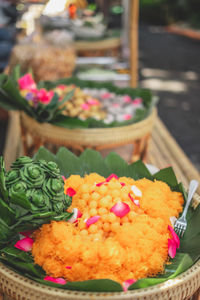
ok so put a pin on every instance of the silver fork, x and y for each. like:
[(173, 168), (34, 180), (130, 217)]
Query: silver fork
[(181, 223)]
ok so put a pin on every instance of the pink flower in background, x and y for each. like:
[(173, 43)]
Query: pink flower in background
[(61, 86), (137, 101), (127, 117), (45, 96), (85, 106), (115, 105), (106, 95), (93, 102), (26, 82), (24, 244), (127, 99)]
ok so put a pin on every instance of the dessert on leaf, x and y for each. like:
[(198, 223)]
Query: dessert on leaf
[(103, 225)]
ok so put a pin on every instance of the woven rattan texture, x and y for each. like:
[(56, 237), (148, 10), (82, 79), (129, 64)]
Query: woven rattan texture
[(89, 137), (19, 287)]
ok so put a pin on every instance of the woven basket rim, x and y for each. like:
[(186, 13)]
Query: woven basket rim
[(48, 290), (90, 136), (132, 126)]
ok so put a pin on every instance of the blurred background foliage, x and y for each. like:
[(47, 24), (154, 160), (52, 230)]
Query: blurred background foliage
[(165, 12)]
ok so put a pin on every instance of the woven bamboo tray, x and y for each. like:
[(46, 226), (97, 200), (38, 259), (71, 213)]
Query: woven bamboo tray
[(105, 47), (36, 134), (21, 288)]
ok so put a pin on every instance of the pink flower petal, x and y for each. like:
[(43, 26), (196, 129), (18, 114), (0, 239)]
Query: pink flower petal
[(26, 82), (25, 244), (68, 267), (171, 248), (26, 233), (100, 183), (111, 177), (55, 280), (128, 283), (93, 102), (106, 95), (85, 106), (174, 236), (79, 214), (115, 105), (74, 217), (63, 177), (127, 99), (127, 117), (70, 192), (120, 209), (45, 96), (122, 183), (92, 220), (137, 192), (136, 202), (61, 86), (137, 101)]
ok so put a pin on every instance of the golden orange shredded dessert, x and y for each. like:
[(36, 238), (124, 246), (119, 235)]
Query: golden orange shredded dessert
[(121, 230)]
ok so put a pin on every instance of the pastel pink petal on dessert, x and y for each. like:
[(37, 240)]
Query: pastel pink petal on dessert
[(136, 202), (127, 117), (79, 214), (100, 183), (128, 283), (111, 177), (137, 192), (174, 236), (85, 106), (26, 233), (92, 101), (61, 86), (92, 220), (106, 95), (74, 217), (127, 99), (115, 105), (171, 248), (120, 209), (26, 82), (70, 192), (25, 244), (55, 280), (137, 101)]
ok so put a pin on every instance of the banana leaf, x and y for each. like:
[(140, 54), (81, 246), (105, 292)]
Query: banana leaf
[(90, 161)]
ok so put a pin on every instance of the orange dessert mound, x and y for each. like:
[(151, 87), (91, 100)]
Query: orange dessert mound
[(116, 247)]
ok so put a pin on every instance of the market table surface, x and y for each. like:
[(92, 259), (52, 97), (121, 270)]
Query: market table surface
[(163, 151)]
